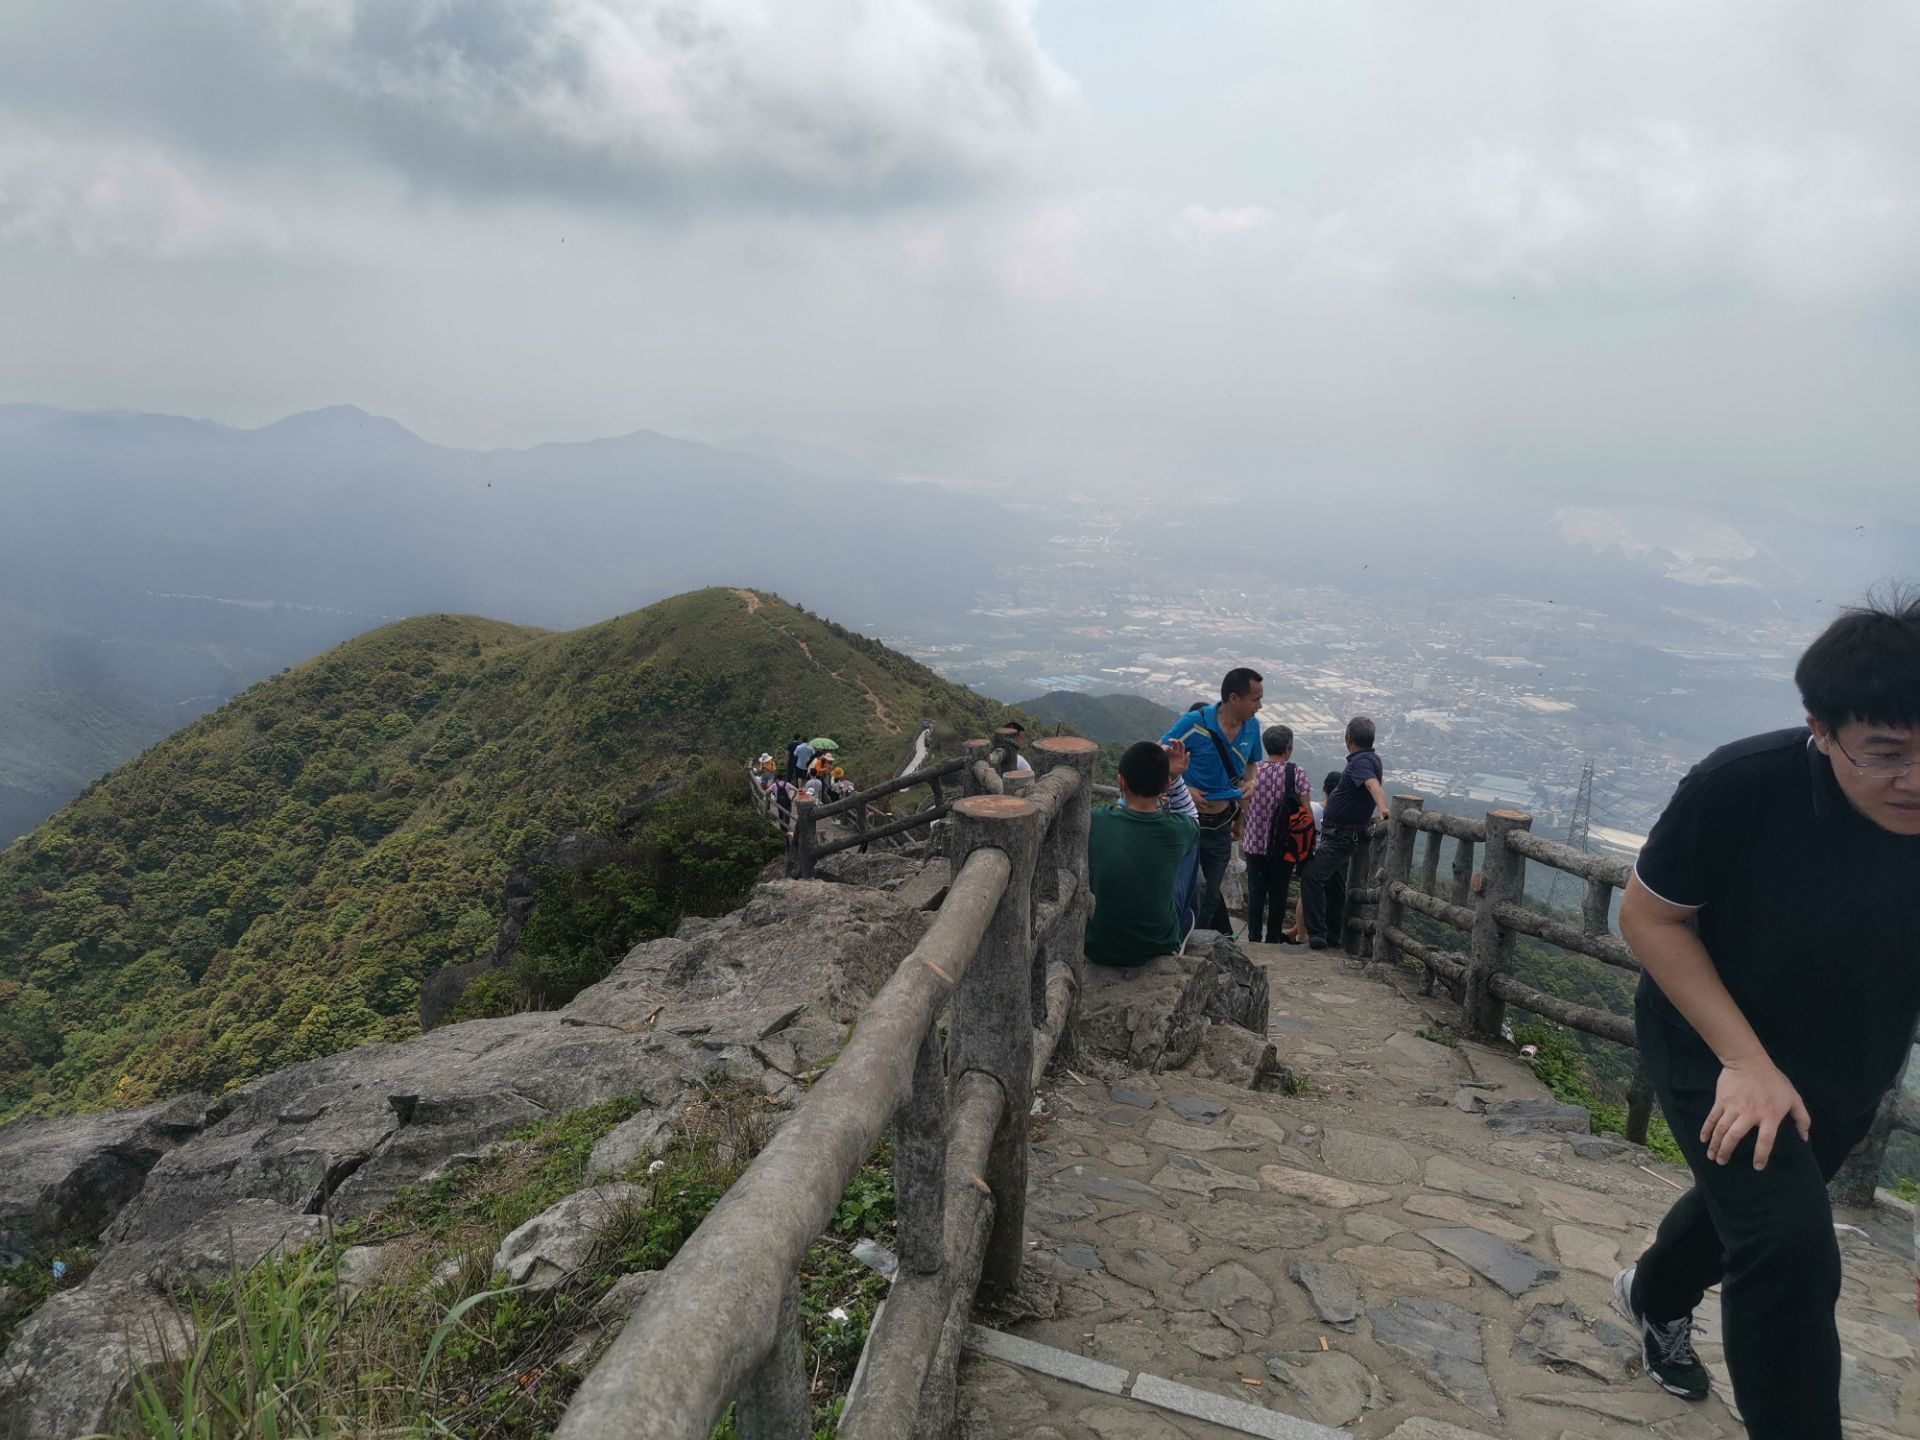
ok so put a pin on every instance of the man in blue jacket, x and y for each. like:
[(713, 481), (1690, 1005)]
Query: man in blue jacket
[(1223, 746)]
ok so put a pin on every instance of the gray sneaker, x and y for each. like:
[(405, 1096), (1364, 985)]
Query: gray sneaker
[(1668, 1347)]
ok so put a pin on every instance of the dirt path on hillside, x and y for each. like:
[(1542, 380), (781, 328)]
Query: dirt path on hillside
[(753, 603), (748, 599)]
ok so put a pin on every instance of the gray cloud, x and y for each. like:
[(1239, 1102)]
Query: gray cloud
[(651, 105)]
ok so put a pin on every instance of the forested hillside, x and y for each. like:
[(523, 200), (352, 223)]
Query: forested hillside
[(275, 881), (1118, 718)]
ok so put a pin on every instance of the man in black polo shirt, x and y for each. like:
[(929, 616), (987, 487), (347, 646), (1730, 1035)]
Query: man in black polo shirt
[(1352, 805), (1776, 911)]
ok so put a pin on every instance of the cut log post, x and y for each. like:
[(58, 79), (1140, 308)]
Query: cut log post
[(1430, 862), (800, 853), (1462, 891), (1400, 839), (1596, 907), (919, 1161), (1503, 878), (992, 1019), (972, 778), (1359, 876), (773, 1404)]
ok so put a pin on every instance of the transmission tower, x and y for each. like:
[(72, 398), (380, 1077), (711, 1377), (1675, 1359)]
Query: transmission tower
[(1577, 829)]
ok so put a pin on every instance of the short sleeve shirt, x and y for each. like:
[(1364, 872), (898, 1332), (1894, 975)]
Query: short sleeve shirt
[(1350, 804), (1809, 911), (1269, 792), (1133, 860), (1205, 773)]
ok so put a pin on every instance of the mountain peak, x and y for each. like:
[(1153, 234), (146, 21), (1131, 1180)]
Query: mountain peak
[(339, 422)]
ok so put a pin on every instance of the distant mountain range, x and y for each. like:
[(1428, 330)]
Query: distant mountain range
[(275, 881), (1110, 719), (151, 566)]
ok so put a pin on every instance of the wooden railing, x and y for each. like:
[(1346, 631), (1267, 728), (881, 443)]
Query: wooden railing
[(806, 845), (1003, 960), (1487, 908)]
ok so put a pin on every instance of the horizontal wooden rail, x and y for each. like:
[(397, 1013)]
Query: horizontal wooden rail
[(711, 1318), (1604, 1023), (925, 775), (1460, 827), (1448, 967), (1607, 948), (1460, 917), (1588, 866), (915, 821)]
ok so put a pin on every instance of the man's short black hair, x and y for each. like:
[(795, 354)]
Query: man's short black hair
[(1238, 681), (1013, 725), (1144, 767), (1360, 732), (1326, 785), (1278, 739), (1866, 665)]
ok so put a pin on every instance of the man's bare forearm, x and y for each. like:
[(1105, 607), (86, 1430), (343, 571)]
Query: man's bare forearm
[(1672, 954)]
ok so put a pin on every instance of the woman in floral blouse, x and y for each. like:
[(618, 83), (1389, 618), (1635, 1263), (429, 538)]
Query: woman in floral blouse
[(1280, 790)]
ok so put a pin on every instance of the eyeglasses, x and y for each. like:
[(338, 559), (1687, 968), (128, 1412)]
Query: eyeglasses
[(1883, 767)]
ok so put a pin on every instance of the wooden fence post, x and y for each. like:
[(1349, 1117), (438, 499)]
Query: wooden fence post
[(920, 1162), (1064, 853), (800, 853), (992, 1027), (1400, 838), (1430, 863), (774, 1404), (1503, 877), (1462, 891), (970, 784)]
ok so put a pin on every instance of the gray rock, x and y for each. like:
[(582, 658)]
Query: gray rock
[(1121, 1116), (73, 1362), (1600, 1147), (13, 1304), (211, 1249), (1241, 998), (1234, 1296), (65, 1179), (1445, 1173), (1288, 1025), (1081, 1257), (1203, 1334), (1117, 1189), (1252, 1226), (1199, 1138), (1514, 1270), (1537, 1117), (627, 1292), (1331, 1288), (1146, 1268), (1234, 1056), (1356, 1156), (621, 1146), (1559, 1336), (1198, 1177), (551, 1248), (1443, 1343), (1113, 1422), (1058, 1206), (1335, 1388), (1471, 1101), (1199, 1112), (1865, 1395), (1147, 1017), (357, 1267), (1124, 1096)]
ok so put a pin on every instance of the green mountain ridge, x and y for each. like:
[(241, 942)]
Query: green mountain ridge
[(1110, 719), (275, 881)]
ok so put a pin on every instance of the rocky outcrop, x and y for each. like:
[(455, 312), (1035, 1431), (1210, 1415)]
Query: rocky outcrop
[(767, 992), (1242, 997), (1206, 1007), (63, 1180), (555, 1245)]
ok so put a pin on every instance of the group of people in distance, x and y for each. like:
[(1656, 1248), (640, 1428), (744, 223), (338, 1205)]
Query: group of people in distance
[(1770, 1028), (818, 776), (1158, 860)]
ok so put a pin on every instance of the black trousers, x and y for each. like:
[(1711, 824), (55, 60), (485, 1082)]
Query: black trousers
[(1267, 882), (1209, 907), (1765, 1236), (1323, 886)]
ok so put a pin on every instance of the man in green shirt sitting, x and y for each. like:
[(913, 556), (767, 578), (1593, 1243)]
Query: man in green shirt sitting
[(1134, 858)]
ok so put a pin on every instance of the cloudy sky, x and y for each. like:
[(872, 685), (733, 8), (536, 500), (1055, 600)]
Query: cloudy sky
[(1651, 244)]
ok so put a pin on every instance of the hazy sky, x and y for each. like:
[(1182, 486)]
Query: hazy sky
[(1654, 244)]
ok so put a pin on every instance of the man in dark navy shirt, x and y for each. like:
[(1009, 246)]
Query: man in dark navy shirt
[(1776, 912), (1352, 805)]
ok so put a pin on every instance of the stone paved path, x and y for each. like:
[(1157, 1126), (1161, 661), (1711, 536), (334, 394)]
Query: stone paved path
[(1374, 1253)]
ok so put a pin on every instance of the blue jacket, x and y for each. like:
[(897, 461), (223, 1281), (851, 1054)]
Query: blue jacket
[(1205, 773)]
